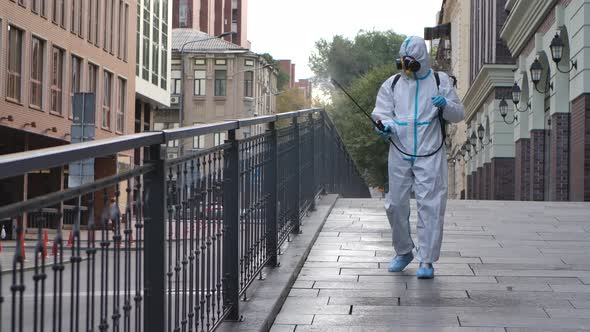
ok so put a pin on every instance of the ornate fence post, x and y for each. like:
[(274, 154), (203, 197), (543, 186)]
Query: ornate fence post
[(231, 223), (311, 180), (271, 188), (297, 178), (154, 237)]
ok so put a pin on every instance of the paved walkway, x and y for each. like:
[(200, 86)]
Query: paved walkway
[(505, 266)]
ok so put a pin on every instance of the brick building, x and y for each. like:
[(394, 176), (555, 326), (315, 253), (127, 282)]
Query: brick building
[(48, 51), (529, 104), (213, 17)]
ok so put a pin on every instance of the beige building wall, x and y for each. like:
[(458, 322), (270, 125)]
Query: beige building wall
[(204, 106), (457, 12)]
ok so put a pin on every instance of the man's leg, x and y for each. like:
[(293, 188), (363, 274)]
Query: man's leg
[(430, 188), (397, 207)]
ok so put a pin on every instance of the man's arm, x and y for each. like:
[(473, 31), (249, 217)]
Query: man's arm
[(384, 104), (453, 111)]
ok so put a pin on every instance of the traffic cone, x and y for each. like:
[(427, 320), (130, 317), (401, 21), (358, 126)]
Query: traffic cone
[(71, 240), (45, 241)]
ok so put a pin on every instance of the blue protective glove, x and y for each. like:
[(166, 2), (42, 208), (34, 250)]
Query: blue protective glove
[(386, 133), (439, 101)]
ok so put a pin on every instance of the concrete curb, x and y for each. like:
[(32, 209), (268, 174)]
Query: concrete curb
[(266, 297)]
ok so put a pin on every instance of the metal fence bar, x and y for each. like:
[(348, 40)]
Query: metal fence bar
[(179, 240), (231, 228), (154, 234)]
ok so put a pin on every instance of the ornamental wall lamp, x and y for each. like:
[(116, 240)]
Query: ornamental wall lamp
[(516, 94), (504, 112), (557, 46), (536, 72), (480, 134)]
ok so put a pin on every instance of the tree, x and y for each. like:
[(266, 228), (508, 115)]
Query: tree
[(368, 150), (346, 60), (283, 78), (290, 100)]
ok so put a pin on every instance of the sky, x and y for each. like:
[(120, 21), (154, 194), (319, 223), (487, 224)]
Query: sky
[(288, 29)]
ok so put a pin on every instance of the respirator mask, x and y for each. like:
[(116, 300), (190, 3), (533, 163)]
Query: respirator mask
[(408, 64)]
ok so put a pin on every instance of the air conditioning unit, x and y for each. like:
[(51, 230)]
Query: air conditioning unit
[(174, 99)]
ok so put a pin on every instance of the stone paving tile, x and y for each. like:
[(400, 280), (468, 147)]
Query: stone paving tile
[(519, 321), (396, 278), (505, 266), (539, 280), (568, 313), (312, 328), (283, 328)]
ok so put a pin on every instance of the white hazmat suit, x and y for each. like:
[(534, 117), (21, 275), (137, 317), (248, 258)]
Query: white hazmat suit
[(408, 109)]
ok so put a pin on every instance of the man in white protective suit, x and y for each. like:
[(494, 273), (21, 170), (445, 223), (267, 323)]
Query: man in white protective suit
[(411, 105)]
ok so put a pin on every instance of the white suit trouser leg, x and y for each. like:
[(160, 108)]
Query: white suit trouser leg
[(431, 189), (428, 177), (397, 207)]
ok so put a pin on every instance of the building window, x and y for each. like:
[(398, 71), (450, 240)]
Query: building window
[(74, 18), (38, 7), (106, 37), (221, 62), (200, 62), (112, 28), (249, 84), (91, 14), (176, 82), (107, 93), (123, 33), (58, 16), (121, 100), (57, 66), (155, 62), (200, 82), (198, 141), (37, 56), (92, 78), (183, 14), (15, 53), (138, 40), (76, 72), (145, 74), (249, 63), (220, 82), (218, 138)]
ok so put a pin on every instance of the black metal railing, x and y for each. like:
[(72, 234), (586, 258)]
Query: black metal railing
[(169, 245)]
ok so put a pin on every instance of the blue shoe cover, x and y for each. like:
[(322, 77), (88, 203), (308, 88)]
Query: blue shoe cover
[(399, 263), (425, 271)]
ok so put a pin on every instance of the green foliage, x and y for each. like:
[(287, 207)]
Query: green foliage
[(290, 100), (346, 60), (283, 78), (368, 149)]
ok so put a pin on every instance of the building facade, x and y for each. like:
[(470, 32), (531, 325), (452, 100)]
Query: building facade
[(552, 131), (453, 57), (49, 51), (527, 115), (221, 81), (214, 17), (152, 64), (489, 149)]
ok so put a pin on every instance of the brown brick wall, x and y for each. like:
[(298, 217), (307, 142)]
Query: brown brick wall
[(502, 179), (487, 181), (468, 186), (580, 149), (522, 169), (34, 25), (560, 156), (476, 184), (481, 188), (537, 175)]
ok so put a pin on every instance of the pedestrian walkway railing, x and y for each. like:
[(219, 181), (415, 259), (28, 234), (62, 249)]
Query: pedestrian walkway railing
[(167, 245)]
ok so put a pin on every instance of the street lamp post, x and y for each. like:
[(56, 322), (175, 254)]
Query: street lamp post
[(181, 104)]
